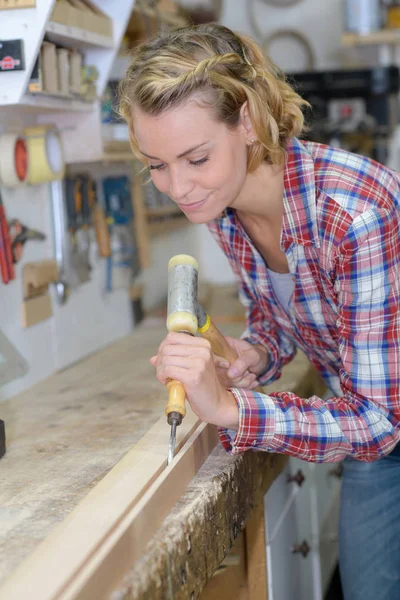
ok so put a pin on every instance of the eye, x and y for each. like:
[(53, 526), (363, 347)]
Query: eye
[(156, 167), (197, 163)]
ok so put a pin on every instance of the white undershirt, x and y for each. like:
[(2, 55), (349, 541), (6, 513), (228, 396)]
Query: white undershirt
[(283, 285)]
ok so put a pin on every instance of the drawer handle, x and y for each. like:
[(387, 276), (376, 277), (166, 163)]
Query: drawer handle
[(298, 478), (302, 549), (337, 471)]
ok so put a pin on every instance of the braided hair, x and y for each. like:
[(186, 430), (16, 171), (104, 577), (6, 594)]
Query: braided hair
[(224, 70)]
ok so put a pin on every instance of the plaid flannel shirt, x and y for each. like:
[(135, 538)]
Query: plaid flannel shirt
[(341, 237)]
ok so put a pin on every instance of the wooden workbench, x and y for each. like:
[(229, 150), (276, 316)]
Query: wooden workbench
[(66, 433)]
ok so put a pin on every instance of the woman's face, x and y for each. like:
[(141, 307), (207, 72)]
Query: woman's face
[(198, 162)]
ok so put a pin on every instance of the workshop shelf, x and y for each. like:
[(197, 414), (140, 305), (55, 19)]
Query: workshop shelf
[(42, 102), (75, 37), (384, 36)]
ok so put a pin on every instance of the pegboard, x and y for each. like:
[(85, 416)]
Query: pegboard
[(6, 4)]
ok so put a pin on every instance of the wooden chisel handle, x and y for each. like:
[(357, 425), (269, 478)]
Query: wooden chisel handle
[(218, 343), (176, 398)]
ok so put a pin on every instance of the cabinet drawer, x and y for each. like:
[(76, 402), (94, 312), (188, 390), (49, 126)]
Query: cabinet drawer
[(290, 575)]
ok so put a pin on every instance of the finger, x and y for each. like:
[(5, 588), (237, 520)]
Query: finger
[(189, 371), (153, 360), (175, 337), (250, 377), (221, 362), (242, 364)]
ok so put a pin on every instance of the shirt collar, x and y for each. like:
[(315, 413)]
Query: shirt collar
[(299, 198)]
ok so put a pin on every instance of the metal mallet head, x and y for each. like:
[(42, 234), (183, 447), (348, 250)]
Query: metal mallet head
[(182, 293)]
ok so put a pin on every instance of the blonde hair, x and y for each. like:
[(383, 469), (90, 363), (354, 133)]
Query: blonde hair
[(230, 69)]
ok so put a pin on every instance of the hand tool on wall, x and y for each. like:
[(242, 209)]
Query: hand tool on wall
[(187, 316), (74, 200), (58, 210), (119, 214), (84, 236), (19, 235), (6, 258), (101, 227)]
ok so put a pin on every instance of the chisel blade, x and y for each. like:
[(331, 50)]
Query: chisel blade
[(172, 442)]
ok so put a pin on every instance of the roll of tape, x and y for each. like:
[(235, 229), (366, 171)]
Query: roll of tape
[(13, 160), (46, 161)]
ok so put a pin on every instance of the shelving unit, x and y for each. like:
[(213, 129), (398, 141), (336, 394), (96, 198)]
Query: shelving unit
[(385, 36), (32, 24), (42, 102), (74, 37)]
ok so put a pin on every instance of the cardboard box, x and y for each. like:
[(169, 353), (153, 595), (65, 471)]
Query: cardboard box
[(85, 15), (75, 67), (48, 56), (63, 70), (92, 18), (64, 13)]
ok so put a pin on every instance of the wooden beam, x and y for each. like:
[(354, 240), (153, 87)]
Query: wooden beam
[(87, 556)]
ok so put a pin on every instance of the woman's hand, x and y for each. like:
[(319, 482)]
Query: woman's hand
[(190, 360), (252, 361)]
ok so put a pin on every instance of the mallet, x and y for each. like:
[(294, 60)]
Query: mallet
[(187, 316)]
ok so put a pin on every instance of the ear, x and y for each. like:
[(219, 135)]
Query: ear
[(245, 123)]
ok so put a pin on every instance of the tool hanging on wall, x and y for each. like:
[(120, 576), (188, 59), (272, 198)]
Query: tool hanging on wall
[(74, 198), (19, 235), (83, 234), (59, 218), (6, 257), (123, 263), (14, 160), (100, 225)]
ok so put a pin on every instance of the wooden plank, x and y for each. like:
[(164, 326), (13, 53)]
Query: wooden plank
[(89, 553), (256, 555)]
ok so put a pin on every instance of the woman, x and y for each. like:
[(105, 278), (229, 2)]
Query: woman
[(312, 234)]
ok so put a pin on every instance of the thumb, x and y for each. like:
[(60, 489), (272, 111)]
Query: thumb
[(153, 360), (238, 368)]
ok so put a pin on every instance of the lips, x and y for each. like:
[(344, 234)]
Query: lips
[(194, 205)]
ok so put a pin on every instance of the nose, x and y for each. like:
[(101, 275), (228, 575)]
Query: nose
[(179, 186)]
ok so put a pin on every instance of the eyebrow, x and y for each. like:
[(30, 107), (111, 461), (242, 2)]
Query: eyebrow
[(179, 155)]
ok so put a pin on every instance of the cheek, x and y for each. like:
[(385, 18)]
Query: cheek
[(160, 180)]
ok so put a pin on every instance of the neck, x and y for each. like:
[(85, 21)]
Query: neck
[(261, 196)]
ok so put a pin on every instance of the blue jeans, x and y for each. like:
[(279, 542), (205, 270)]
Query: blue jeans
[(369, 529)]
